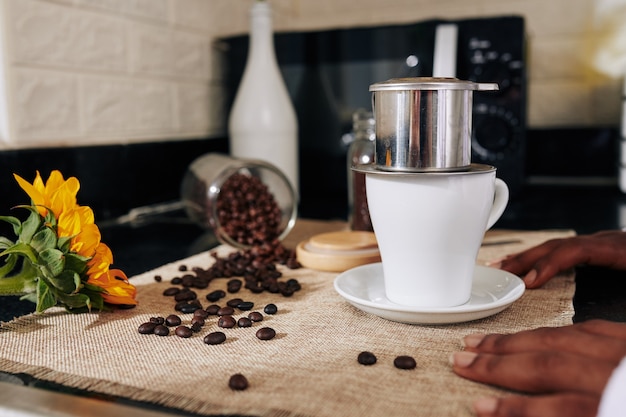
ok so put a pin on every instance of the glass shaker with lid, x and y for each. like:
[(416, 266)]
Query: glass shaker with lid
[(360, 152)]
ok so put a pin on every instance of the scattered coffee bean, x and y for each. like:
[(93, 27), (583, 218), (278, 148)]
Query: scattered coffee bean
[(238, 382), (226, 311), (189, 308), (171, 291), (176, 280), (215, 295), (255, 316), (172, 320), (198, 320), (161, 330), (366, 358), (404, 362), (183, 331), (244, 322), (226, 322), (233, 286), (157, 320), (182, 268), (147, 327), (158, 278), (201, 314), (265, 333), (233, 302), (185, 295), (196, 327), (214, 338), (245, 305), (270, 309), (212, 309)]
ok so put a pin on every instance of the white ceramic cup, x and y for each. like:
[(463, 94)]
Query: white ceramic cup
[(429, 228)]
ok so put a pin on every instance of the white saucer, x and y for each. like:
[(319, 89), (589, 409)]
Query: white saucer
[(493, 290)]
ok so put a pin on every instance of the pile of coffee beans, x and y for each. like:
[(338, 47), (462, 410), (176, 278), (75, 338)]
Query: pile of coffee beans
[(254, 270), (247, 211), (401, 362)]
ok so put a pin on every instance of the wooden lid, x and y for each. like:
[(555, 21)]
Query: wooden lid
[(338, 251)]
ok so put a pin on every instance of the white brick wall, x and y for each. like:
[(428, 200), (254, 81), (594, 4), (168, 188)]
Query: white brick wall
[(84, 72)]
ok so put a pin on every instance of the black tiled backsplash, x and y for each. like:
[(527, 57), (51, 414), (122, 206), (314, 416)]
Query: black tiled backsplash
[(113, 178)]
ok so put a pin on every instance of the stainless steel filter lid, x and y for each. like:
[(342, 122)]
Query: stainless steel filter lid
[(431, 83)]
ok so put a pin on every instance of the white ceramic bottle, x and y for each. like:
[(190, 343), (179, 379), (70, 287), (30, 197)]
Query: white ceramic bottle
[(263, 123)]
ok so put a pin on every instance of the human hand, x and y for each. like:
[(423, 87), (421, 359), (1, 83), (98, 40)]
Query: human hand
[(566, 368), (540, 263)]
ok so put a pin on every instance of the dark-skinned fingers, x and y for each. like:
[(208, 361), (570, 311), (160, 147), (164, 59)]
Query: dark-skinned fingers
[(604, 328), (555, 405), (571, 339), (522, 262), (535, 372)]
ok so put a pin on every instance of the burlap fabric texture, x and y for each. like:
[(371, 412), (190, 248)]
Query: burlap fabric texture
[(309, 369)]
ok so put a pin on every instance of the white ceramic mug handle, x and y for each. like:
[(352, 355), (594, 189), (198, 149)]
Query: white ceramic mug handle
[(500, 200)]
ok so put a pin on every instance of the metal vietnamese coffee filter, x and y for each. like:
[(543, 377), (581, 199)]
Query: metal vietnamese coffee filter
[(424, 124)]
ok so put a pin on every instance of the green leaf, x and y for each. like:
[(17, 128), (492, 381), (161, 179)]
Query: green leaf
[(30, 226), (5, 243), (45, 297), (74, 301), (9, 265), (75, 262), (15, 222), (44, 239), (21, 249), (67, 281), (53, 261), (63, 244)]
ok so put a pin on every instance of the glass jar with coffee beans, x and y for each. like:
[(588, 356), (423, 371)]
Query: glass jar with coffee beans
[(246, 202)]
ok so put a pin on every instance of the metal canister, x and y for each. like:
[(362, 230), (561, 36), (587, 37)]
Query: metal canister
[(424, 124)]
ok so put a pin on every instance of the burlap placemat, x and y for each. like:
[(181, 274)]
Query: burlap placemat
[(309, 369)]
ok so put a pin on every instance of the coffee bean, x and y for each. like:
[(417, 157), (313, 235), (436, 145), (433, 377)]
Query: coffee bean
[(147, 327), (201, 313), (215, 295), (226, 311), (244, 322), (255, 316), (198, 320), (171, 291), (245, 305), (183, 331), (233, 286), (172, 320), (270, 309), (187, 295), (226, 322), (212, 309), (157, 320), (182, 268), (176, 280), (161, 330), (265, 333), (189, 308), (196, 327), (404, 362), (158, 278), (233, 303), (366, 358), (214, 338), (238, 382)]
